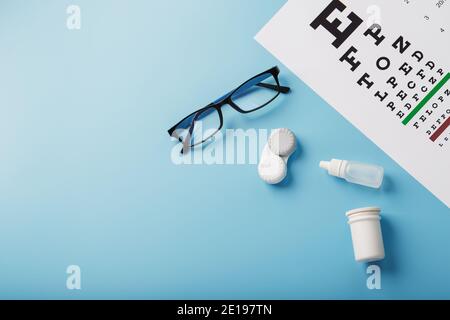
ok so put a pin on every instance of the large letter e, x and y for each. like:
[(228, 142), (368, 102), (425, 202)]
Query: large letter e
[(333, 26)]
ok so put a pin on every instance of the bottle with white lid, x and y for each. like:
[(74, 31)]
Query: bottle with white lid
[(366, 232), (355, 172)]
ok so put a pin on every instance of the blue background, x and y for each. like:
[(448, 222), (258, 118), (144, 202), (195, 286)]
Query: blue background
[(86, 176)]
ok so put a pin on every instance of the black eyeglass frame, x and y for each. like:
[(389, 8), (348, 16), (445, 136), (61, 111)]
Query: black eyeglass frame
[(227, 100)]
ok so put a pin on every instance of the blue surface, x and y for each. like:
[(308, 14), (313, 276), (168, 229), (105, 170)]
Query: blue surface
[(86, 176)]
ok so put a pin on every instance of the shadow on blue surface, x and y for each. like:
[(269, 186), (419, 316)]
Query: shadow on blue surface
[(389, 264)]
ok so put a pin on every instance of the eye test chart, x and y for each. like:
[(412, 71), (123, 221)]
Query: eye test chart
[(385, 66)]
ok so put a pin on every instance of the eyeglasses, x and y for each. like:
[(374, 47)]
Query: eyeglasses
[(254, 94)]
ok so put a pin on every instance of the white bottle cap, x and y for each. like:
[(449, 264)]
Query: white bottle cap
[(335, 167)]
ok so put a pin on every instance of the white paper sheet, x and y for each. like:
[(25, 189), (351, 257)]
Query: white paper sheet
[(403, 100)]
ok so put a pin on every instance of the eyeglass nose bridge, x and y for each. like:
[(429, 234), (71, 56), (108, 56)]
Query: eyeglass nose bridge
[(227, 101)]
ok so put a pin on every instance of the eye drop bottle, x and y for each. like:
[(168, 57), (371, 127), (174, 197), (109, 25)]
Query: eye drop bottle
[(355, 172)]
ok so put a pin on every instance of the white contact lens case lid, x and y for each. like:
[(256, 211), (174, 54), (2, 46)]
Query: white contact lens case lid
[(282, 142), (281, 145)]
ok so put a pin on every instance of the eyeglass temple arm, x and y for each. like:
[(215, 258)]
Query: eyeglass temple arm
[(262, 85), (274, 87)]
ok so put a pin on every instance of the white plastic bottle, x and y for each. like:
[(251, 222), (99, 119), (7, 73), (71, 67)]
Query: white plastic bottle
[(355, 172), (367, 237)]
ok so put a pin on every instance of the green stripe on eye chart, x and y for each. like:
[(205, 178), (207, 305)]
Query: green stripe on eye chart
[(426, 99)]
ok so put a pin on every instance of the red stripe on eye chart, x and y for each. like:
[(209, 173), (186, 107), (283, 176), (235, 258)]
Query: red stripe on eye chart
[(441, 130)]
